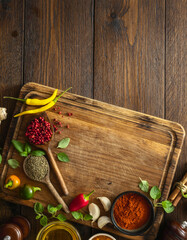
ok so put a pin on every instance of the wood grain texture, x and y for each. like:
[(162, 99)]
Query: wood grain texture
[(176, 81), (59, 44), (124, 143), (11, 28), (129, 54), (59, 47)]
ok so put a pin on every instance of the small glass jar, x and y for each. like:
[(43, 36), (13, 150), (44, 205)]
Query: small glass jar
[(58, 230)]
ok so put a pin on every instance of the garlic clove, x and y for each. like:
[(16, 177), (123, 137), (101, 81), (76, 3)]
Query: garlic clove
[(3, 114), (94, 211), (105, 202), (102, 221)]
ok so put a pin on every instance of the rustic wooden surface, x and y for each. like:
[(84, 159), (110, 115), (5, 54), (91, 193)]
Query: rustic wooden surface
[(129, 53), (109, 148)]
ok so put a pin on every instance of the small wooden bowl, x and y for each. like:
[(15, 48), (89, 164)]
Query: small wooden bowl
[(102, 234)]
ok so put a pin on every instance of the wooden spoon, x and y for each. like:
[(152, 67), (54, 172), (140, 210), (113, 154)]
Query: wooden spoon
[(47, 149), (47, 181)]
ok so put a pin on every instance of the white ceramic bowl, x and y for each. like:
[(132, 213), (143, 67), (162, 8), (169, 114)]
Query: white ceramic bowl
[(102, 234)]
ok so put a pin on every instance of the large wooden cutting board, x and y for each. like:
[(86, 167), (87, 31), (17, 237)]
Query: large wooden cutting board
[(110, 148)]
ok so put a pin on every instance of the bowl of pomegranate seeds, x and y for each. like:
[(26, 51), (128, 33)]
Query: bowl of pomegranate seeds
[(39, 131)]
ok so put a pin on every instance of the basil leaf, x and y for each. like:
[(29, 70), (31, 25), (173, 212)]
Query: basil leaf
[(77, 215), (88, 217), (38, 153), (27, 148), (144, 185), (0, 158), (38, 216), (43, 221), (167, 206), (13, 163), (18, 146), (59, 207), (24, 154), (62, 157), (64, 143), (155, 192), (38, 208), (51, 209), (61, 217)]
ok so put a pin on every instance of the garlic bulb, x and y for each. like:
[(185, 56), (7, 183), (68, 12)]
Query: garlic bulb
[(3, 114), (105, 202), (94, 211), (102, 221)]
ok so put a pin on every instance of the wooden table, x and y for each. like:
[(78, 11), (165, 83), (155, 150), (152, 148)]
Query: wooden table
[(129, 53)]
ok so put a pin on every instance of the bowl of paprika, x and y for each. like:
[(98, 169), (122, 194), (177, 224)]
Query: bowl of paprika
[(132, 213)]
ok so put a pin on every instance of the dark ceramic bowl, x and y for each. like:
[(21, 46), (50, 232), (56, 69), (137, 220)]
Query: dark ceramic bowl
[(141, 229)]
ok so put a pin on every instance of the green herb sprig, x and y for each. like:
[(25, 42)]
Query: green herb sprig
[(39, 209), (78, 215), (25, 149), (155, 194)]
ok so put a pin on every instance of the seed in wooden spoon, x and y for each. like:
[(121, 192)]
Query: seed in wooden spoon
[(36, 167)]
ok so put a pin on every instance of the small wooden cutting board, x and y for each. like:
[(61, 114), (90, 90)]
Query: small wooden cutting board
[(110, 148)]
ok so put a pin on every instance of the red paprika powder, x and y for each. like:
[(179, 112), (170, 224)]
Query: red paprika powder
[(131, 211)]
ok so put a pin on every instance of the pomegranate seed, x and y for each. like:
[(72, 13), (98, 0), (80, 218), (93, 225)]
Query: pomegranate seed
[(67, 126)]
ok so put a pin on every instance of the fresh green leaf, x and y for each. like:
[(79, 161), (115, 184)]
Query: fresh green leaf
[(38, 153), (61, 217), (87, 217), (144, 185), (13, 163), (63, 143), (59, 207), (43, 221), (51, 209), (23, 154), (62, 157), (167, 206), (38, 216), (77, 215), (184, 194), (38, 208), (155, 192), (27, 148), (0, 158), (18, 146), (35, 189)]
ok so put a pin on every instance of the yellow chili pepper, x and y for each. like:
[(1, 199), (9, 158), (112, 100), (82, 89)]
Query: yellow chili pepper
[(12, 182), (44, 108), (35, 101)]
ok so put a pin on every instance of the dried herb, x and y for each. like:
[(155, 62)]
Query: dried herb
[(36, 167)]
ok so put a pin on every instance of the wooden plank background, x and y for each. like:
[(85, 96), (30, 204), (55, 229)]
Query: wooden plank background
[(129, 53)]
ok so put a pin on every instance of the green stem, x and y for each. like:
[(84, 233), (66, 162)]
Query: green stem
[(56, 99), (86, 196), (9, 184), (36, 189), (19, 99)]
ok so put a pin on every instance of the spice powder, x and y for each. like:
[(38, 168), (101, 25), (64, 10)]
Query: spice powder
[(36, 167), (131, 211)]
